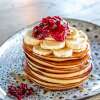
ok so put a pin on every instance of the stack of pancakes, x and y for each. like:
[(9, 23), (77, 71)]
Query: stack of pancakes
[(57, 66)]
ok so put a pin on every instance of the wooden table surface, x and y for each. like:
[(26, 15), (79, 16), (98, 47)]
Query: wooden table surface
[(16, 14)]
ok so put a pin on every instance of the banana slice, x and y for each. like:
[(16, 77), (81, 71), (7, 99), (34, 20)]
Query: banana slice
[(74, 33), (83, 35), (40, 51), (78, 50), (76, 44), (28, 39), (64, 52), (49, 38), (52, 44)]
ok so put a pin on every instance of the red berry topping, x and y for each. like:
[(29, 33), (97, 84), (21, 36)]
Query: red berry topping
[(20, 91), (51, 26)]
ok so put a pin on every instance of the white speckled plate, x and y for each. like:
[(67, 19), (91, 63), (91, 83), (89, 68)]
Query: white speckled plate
[(11, 58)]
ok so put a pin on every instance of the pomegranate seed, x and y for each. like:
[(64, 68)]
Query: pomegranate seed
[(20, 91), (57, 17), (51, 26), (23, 86)]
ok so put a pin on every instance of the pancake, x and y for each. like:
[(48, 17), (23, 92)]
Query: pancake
[(53, 86), (63, 75), (54, 70), (57, 75), (68, 64), (76, 55), (31, 74), (57, 57)]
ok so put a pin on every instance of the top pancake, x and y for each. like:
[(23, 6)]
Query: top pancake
[(76, 55)]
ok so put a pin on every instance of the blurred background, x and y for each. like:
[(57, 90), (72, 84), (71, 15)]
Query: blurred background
[(16, 14)]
